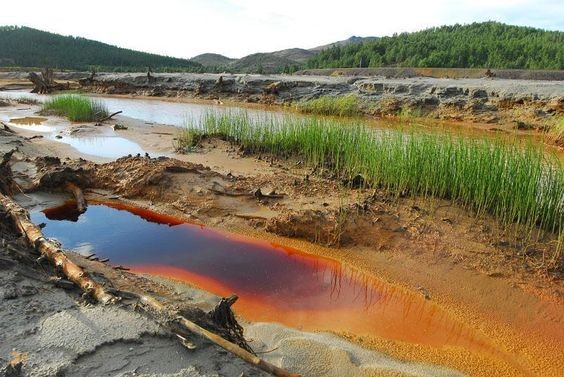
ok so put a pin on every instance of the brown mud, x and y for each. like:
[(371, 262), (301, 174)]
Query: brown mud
[(506, 288), (462, 263)]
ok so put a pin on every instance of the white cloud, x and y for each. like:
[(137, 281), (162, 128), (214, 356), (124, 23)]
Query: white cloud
[(239, 27)]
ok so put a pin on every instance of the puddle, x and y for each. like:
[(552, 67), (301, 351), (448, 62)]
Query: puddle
[(274, 283), (28, 121), (102, 146)]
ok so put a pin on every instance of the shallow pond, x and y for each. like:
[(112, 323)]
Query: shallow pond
[(275, 283)]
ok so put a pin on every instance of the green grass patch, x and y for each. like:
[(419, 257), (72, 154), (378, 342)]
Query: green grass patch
[(187, 139), (516, 183), (556, 131), (76, 108), (331, 105)]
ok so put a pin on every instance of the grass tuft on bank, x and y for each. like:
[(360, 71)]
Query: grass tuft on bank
[(341, 106), (76, 108), (515, 183), (556, 131)]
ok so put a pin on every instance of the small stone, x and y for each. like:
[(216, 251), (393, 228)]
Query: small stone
[(118, 126)]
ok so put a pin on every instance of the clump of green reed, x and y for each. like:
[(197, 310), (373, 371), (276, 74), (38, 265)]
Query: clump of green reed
[(76, 108), (187, 139), (331, 105), (515, 183), (556, 131)]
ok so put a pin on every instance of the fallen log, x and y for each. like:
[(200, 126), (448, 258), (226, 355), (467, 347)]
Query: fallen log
[(53, 253), (81, 204), (78, 276)]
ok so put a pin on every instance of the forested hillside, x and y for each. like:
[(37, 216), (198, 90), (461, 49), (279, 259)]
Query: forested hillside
[(27, 47), (478, 45)]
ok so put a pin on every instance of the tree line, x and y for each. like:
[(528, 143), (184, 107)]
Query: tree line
[(477, 45), (27, 47)]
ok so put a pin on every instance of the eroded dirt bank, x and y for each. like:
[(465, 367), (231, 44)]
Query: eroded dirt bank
[(526, 103)]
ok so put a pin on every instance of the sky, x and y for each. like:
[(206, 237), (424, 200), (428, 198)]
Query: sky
[(235, 28)]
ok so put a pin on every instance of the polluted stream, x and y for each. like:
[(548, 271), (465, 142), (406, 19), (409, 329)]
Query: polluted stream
[(275, 283)]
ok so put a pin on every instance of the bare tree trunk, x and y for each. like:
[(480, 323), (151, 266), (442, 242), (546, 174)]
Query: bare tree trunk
[(44, 83)]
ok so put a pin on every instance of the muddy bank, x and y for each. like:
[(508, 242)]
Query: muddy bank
[(526, 103), (465, 265)]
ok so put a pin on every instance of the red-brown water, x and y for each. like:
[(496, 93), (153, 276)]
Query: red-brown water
[(274, 282)]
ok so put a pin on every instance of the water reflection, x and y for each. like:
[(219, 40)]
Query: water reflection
[(274, 282), (102, 146)]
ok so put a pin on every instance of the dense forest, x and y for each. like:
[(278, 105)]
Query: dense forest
[(27, 47), (478, 45)]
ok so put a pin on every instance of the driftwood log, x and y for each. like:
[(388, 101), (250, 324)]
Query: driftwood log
[(78, 276), (44, 83), (53, 253)]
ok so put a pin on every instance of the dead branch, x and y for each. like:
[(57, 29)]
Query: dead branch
[(81, 204), (231, 347), (223, 316), (110, 116), (6, 181), (52, 252), (6, 128)]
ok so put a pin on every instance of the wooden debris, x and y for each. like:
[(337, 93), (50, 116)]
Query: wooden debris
[(78, 276), (6, 128), (81, 204), (231, 347), (45, 82), (110, 116), (53, 253), (6, 180)]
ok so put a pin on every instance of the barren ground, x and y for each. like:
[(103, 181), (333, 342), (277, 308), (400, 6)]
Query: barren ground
[(480, 274)]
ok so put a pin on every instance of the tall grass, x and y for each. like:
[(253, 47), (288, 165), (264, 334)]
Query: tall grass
[(76, 108), (331, 105), (515, 183), (556, 131)]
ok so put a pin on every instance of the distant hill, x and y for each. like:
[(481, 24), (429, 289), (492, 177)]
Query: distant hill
[(212, 60), (289, 60), (353, 39), (477, 45), (271, 62), (27, 47)]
